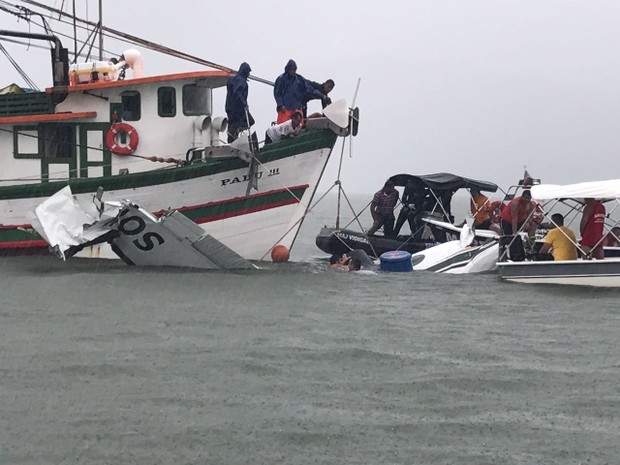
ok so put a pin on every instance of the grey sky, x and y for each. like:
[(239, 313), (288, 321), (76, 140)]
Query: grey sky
[(478, 88)]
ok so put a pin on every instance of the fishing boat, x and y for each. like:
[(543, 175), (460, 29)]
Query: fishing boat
[(525, 265), (157, 140), (432, 212)]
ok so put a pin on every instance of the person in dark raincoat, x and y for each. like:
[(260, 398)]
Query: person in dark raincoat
[(324, 88), (237, 102), (289, 91)]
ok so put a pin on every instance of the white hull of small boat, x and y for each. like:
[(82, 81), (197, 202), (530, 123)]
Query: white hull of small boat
[(595, 273)]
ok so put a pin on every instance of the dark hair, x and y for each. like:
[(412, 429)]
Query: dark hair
[(298, 113), (389, 182), (558, 219), (334, 259), (356, 264), (526, 192)]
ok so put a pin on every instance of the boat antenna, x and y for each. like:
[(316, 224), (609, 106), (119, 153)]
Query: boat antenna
[(75, 45), (357, 87), (100, 27), (150, 45)]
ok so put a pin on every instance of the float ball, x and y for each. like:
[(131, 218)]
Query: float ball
[(280, 253)]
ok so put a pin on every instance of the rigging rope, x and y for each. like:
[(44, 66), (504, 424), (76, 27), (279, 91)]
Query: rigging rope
[(148, 44), (19, 69)]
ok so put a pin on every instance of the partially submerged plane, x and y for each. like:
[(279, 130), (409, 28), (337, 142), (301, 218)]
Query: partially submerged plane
[(135, 235)]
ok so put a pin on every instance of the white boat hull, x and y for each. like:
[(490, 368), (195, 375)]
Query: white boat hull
[(596, 273), (250, 225)]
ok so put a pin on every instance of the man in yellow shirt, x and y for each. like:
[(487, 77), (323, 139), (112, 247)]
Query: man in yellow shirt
[(560, 240)]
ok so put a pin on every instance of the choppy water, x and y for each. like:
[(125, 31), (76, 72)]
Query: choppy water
[(101, 363)]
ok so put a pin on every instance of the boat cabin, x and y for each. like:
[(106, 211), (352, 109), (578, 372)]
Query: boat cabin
[(103, 112)]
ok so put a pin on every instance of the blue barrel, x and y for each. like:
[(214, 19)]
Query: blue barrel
[(396, 260)]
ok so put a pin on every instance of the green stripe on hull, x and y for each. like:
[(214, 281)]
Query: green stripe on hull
[(306, 142), (18, 235)]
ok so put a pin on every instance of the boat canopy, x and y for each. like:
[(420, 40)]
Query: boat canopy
[(443, 182), (596, 190)]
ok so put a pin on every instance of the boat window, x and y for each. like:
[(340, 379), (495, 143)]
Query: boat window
[(196, 100), (26, 142), (58, 141), (131, 105), (166, 102)]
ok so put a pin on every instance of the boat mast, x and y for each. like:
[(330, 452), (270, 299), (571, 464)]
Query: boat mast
[(100, 30)]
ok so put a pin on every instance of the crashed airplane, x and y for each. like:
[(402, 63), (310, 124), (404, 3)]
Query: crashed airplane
[(135, 235)]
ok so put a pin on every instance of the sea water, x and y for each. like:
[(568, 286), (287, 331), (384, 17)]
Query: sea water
[(101, 363)]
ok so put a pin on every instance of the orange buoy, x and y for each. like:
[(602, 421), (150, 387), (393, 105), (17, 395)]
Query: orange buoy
[(280, 254)]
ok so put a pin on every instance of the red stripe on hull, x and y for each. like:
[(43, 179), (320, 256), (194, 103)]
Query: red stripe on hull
[(236, 199), (245, 211)]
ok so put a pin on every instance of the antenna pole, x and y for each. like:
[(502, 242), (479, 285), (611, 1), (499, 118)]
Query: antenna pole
[(100, 30), (357, 88), (74, 35)]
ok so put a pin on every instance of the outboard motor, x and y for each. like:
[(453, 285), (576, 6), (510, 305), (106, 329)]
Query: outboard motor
[(511, 248)]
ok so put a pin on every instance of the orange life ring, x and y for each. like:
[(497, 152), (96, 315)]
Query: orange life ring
[(117, 128)]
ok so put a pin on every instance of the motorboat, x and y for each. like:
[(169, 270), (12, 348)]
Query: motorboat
[(518, 257), (432, 202)]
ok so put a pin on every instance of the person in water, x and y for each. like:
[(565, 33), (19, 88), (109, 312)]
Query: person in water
[(355, 264), (237, 109), (339, 262)]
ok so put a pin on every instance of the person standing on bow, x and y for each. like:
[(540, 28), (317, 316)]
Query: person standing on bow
[(325, 89), (237, 109), (382, 209), (289, 91), (591, 228), (514, 216)]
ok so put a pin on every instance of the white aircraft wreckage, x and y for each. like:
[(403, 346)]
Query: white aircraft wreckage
[(135, 235)]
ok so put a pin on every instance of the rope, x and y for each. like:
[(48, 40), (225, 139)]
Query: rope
[(134, 40), (359, 223), (19, 69), (281, 183), (308, 210)]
